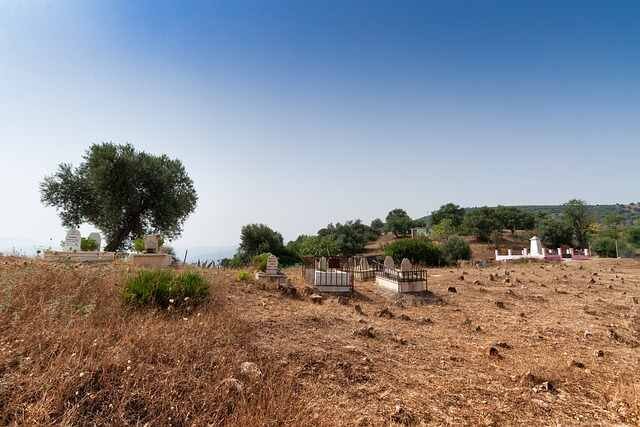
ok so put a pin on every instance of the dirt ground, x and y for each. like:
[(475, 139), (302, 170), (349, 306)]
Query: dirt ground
[(517, 344), (565, 340)]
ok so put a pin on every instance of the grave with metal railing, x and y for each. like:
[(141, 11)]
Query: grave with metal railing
[(407, 278), (329, 274)]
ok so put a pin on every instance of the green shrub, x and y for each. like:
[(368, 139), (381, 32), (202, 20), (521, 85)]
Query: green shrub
[(244, 276), (605, 246), (420, 251), (87, 244), (455, 248), (164, 287), (260, 261)]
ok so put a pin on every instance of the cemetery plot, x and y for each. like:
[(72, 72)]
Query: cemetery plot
[(407, 278), (329, 274)]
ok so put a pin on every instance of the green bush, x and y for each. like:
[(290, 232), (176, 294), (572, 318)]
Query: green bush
[(164, 287), (244, 276), (87, 244), (605, 246), (420, 251), (455, 248), (260, 261)]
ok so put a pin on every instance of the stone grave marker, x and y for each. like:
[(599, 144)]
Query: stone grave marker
[(405, 265), (151, 243), (96, 238), (389, 264), (72, 240), (364, 264), (322, 264), (272, 265)]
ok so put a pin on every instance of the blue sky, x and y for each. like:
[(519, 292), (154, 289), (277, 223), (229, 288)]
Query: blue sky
[(300, 113)]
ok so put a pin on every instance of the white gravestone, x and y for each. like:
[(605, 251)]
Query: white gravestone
[(96, 238), (389, 264), (151, 243), (322, 264), (405, 265), (272, 265), (364, 264), (72, 240)]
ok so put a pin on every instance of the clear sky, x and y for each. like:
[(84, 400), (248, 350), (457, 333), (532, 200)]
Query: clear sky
[(301, 113)]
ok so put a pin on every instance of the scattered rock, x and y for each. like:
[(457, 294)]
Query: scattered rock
[(425, 321), (477, 282), (592, 281), (385, 312), (478, 329), (502, 344), (575, 364), (588, 334), (399, 340), (500, 304), (404, 317), (250, 370), (452, 289), (403, 416), (365, 331), (545, 386), (461, 277), (599, 353), (493, 352), (343, 300), (316, 299), (507, 280), (307, 291), (358, 310), (492, 277), (634, 300), (287, 289), (362, 422)]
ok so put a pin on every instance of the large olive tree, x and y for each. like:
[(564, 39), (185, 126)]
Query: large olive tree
[(124, 192)]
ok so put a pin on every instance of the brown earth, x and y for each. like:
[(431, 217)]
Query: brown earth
[(539, 344)]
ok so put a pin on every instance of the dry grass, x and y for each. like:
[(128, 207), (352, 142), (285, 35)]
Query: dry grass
[(71, 353)]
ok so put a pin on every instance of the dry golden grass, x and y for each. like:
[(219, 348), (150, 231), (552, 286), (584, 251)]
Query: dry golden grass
[(71, 353)]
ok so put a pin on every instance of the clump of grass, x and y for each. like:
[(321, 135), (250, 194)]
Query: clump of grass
[(244, 276), (164, 287)]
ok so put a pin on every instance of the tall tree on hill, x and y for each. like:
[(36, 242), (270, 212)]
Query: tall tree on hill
[(576, 214), (450, 211), (399, 222), (481, 222), (124, 192), (256, 239), (377, 225)]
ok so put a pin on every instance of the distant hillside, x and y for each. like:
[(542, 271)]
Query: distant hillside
[(630, 212)]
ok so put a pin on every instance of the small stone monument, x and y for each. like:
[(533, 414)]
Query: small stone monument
[(96, 238), (272, 265), (323, 264), (72, 240), (151, 243), (536, 247), (364, 264), (272, 273), (405, 265), (389, 264)]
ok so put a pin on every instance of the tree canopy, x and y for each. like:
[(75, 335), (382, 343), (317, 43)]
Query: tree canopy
[(399, 222), (577, 215), (451, 212), (124, 192)]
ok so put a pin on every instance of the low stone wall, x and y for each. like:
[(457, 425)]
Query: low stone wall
[(78, 256), (151, 260)]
